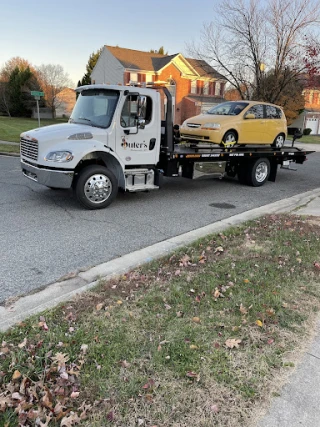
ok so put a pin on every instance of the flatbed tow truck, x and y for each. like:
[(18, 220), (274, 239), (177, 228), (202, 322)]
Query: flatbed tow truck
[(121, 137)]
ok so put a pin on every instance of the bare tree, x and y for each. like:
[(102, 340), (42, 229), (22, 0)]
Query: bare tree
[(249, 38), (53, 80)]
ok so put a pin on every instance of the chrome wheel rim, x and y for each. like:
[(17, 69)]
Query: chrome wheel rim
[(279, 141), (98, 188), (261, 172)]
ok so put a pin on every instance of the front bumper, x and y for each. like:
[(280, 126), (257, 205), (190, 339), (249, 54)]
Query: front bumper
[(54, 178)]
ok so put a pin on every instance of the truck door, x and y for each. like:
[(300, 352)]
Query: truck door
[(138, 144)]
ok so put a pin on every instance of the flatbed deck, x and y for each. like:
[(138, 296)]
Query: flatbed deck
[(206, 152)]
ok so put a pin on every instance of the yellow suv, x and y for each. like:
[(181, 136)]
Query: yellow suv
[(238, 122)]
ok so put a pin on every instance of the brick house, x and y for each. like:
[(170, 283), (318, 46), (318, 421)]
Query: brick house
[(194, 84), (310, 117), (65, 102)]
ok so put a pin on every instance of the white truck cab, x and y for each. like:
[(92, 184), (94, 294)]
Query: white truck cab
[(112, 140)]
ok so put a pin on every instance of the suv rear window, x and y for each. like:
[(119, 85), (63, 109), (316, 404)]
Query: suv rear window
[(273, 112)]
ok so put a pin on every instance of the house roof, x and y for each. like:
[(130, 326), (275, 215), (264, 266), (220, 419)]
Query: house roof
[(204, 69), (139, 60)]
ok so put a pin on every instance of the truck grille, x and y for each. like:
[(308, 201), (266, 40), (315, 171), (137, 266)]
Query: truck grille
[(29, 149)]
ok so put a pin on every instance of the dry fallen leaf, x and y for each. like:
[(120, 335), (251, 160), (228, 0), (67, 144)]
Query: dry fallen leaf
[(16, 375), (193, 347), (259, 323), (196, 320), (191, 374), (23, 344), (99, 306), (214, 408), (243, 310), (316, 265), (232, 343)]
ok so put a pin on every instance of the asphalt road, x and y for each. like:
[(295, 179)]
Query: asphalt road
[(45, 234)]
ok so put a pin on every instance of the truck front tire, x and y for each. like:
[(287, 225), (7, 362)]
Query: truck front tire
[(96, 187)]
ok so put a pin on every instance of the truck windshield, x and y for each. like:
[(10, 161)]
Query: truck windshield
[(95, 107)]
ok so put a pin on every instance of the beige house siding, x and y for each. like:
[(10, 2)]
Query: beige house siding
[(108, 69), (65, 102)]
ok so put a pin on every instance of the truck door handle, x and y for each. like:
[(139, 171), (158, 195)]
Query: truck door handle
[(152, 143)]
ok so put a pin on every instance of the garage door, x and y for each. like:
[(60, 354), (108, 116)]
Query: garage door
[(313, 123)]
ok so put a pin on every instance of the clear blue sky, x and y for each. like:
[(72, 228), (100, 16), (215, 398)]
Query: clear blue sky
[(67, 32)]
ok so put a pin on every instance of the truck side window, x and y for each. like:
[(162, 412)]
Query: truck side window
[(129, 112), (148, 110)]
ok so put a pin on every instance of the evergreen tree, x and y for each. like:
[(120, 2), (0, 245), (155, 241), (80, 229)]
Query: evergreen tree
[(93, 58), (160, 51), (19, 92)]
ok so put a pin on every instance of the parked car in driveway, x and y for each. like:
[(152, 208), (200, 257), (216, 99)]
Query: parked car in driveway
[(238, 122)]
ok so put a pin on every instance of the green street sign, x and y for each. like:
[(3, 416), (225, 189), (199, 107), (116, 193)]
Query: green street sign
[(36, 93)]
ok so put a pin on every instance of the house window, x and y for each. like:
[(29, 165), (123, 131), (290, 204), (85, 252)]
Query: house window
[(193, 87), (200, 87), (134, 77), (206, 88), (217, 90), (141, 78)]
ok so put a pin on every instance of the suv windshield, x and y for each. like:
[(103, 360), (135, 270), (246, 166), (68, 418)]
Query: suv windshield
[(95, 107), (228, 108)]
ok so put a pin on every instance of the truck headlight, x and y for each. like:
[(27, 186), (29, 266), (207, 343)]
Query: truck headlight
[(59, 156), (211, 126)]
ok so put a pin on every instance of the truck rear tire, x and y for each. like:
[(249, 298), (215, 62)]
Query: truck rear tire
[(96, 187), (258, 172)]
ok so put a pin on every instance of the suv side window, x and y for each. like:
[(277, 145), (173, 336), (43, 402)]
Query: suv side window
[(257, 110), (273, 112)]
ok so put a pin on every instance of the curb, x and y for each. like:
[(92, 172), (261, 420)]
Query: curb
[(81, 281), (5, 153)]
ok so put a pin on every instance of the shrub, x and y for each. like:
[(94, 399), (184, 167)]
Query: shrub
[(307, 131)]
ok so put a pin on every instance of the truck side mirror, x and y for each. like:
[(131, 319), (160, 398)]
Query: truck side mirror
[(141, 123)]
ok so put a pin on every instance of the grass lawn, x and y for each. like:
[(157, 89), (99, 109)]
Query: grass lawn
[(311, 139), (11, 128), (9, 148), (201, 338)]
